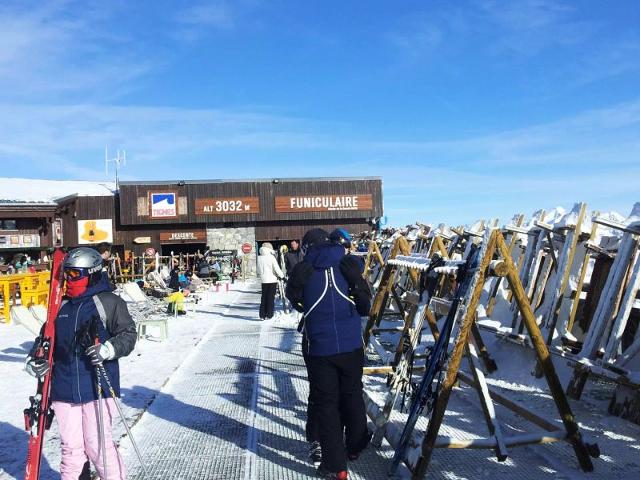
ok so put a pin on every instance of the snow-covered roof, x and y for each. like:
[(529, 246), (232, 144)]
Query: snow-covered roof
[(28, 190)]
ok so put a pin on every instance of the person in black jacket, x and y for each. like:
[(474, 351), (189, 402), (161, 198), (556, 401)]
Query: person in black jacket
[(292, 257), (327, 286)]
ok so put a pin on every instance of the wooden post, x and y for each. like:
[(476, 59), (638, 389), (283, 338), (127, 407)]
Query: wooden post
[(544, 358), (564, 272), (620, 323), (607, 303), (583, 273), (496, 287), (487, 404), (454, 363)]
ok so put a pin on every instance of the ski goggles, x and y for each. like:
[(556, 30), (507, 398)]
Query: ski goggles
[(73, 274)]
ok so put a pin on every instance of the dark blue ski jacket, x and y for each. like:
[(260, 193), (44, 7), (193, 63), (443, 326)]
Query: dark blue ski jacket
[(74, 378), (332, 324)]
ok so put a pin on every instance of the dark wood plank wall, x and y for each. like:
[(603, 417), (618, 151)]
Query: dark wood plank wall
[(265, 191), (32, 220), (295, 231), (86, 208)]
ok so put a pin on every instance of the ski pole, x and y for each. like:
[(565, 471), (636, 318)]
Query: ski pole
[(104, 375), (103, 447)]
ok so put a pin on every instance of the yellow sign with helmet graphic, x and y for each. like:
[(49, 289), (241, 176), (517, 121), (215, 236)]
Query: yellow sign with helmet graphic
[(95, 231)]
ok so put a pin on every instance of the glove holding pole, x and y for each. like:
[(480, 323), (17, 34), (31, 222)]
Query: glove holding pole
[(100, 352)]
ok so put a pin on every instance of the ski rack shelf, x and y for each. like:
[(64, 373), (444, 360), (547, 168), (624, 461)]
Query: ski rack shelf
[(465, 345)]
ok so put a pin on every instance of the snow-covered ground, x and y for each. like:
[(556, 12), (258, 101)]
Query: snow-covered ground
[(143, 373), (225, 397)]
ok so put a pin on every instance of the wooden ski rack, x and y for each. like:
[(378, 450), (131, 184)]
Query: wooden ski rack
[(465, 344)]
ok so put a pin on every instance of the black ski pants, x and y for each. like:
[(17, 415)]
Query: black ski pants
[(267, 300), (336, 383), (312, 428)]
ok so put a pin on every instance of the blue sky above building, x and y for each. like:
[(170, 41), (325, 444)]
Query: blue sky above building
[(466, 109)]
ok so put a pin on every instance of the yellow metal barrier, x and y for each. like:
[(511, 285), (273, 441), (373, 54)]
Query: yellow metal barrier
[(33, 289)]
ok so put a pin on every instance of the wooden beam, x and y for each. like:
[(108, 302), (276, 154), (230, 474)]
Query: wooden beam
[(544, 358)]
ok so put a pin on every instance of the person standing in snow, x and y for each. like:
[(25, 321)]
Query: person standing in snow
[(327, 286), (270, 273), (93, 327), (292, 257)]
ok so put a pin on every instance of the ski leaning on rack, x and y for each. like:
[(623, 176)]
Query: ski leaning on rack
[(425, 395), (39, 415)]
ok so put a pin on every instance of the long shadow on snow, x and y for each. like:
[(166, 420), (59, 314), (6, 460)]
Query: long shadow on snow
[(219, 425), (13, 453), (244, 306), (21, 351)]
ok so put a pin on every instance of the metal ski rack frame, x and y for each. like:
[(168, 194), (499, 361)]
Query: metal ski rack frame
[(494, 243)]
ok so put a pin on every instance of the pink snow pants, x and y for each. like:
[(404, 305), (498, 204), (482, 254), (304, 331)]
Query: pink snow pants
[(80, 439)]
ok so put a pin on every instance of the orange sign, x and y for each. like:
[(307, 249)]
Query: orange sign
[(227, 206), (323, 203)]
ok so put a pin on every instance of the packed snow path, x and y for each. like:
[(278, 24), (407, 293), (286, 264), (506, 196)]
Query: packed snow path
[(236, 407)]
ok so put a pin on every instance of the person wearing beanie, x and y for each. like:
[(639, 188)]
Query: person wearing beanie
[(327, 286), (269, 272)]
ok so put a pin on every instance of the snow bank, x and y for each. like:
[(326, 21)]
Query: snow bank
[(47, 191)]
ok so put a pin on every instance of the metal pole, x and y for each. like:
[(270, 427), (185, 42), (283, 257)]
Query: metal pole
[(103, 371)]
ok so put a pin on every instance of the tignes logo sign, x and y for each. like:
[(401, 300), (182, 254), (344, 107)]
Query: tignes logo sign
[(163, 205)]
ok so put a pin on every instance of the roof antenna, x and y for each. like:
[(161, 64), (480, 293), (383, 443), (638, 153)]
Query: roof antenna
[(120, 160)]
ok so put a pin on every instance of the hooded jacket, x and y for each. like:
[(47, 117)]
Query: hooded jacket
[(332, 322), (268, 269), (74, 378)]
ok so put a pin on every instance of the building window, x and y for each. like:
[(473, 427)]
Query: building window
[(8, 225)]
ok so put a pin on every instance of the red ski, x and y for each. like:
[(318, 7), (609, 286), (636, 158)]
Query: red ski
[(38, 416)]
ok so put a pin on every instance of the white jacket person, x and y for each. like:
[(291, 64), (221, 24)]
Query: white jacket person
[(268, 269)]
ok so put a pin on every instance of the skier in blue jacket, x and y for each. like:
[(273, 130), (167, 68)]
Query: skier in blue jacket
[(93, 327), (327, 286)]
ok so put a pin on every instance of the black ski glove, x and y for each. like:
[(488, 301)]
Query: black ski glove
[(36, 367), (100, 352)]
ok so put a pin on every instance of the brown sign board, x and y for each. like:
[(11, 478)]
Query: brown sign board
[(194, 236), (227, 206), (323, 203)]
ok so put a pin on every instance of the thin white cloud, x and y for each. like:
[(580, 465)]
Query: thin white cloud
[(66, 49)]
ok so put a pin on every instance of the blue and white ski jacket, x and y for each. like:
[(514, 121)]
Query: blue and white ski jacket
[(332, 324), (74, 378)]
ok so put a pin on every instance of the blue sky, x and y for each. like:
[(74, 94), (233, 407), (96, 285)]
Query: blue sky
[(467, 109)]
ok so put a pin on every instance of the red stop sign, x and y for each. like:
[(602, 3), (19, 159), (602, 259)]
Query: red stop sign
[(246, 248)]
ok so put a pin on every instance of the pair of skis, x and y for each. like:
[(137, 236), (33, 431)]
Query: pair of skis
[(38, 416), (426, 394)]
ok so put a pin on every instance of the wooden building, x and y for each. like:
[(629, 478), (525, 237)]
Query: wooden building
[(31, 214), (225, 214), (184, 216)]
